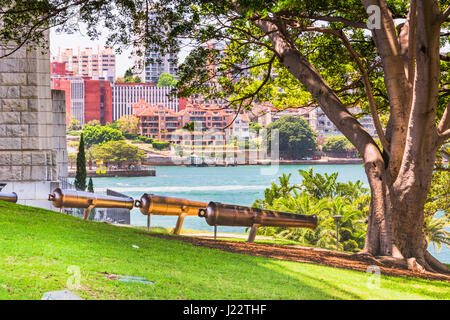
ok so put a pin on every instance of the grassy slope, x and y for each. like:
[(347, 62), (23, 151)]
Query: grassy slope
[(38, 246)]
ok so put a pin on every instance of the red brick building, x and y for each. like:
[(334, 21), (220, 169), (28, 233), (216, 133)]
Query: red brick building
[(86, 99)]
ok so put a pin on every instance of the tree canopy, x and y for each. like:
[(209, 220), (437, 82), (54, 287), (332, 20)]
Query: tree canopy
[(100, 134), (296, 138), (128, 124), (119, 152), (166, 80), (337, 144)]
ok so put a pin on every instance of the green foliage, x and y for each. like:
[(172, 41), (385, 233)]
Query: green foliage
[(160, 145), (337, 144), (324, 197), (145, 139), (128, 124), (93, 123), (130, 136), (166, 80), (100, 134), (129, 78), (118, 152), (80, 176), (190, 126), (438, 203), (90, 187), (296, 138), (74, 124), (255, 126), (435, 230)]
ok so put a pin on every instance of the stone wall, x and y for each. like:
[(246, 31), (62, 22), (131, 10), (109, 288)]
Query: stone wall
[(26, 144), (59, 132), (32, 151)]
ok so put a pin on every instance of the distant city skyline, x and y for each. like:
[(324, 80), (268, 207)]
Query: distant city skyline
[(124, 60)]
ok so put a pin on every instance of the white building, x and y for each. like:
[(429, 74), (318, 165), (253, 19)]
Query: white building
[(77, 107), (327, 128), (87, 62), (241, 126), (125, 95)]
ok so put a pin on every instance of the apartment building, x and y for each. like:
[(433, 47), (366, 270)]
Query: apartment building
[(162, 123), (88, 62), (125, 95)]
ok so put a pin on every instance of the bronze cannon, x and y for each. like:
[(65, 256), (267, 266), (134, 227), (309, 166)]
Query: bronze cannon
[(240, 216), (8, 197), (168, 206), (80, 199)]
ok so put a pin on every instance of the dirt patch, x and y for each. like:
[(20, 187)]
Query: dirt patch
[(308, 255)]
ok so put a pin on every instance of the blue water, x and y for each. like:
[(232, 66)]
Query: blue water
[(234, 185)]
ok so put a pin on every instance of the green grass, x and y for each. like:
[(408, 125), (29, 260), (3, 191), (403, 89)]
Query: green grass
[(38, 247)]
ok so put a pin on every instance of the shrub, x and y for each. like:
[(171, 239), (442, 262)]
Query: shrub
[(145, 139), (160, 145)]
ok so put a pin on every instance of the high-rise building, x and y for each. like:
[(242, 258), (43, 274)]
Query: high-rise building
[(89, 63), (150, 63), (149, 71)]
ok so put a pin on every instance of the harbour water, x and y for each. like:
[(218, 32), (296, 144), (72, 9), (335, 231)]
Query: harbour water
[(234, 185)]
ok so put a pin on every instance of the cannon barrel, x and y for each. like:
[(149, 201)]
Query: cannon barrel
[(168, 206), (8, 197), (79, 199), (232, 215)]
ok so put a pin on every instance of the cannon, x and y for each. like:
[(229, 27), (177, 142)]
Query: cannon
[(61, 198), (8, 197), (168, 206), (240, 216)]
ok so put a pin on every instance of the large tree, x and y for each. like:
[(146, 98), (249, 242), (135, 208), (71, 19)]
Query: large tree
[(384, 56), (296, 138)]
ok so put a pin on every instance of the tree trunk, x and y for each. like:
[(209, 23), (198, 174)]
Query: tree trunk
[(396, 219), (399, 178)]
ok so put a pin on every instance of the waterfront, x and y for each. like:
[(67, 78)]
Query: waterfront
[(235, 185)]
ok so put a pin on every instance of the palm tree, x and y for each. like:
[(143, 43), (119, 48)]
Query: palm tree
[(317, 185), (434, 229)]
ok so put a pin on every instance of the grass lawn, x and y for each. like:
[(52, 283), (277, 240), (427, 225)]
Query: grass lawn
[(38, 249)]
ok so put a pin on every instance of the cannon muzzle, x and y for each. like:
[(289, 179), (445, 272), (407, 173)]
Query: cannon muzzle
[(218, 214), (80, 199), (8, 197)]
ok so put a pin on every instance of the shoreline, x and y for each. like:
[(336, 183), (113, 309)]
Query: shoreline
[(152, 172), (259, 163)]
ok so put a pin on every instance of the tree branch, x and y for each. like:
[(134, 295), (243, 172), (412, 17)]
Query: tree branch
[(329, 102), (365, 77), (443, 128), (445, 14)]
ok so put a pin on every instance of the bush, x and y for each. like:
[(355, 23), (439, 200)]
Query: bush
[(145, 139), (130, 136), (160, 145)]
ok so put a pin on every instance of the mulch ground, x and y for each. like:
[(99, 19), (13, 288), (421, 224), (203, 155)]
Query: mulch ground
[(307, 255)]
